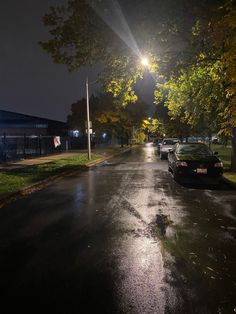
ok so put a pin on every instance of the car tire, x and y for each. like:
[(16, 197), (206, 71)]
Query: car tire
[(161, 156), (175, 175), (219, 181)]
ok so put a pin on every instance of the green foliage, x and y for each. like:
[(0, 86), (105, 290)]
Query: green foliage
[(202, 92), (152, 126), (140, 136), (75, 35), (119, 77), (91, 32), (223, 39), (194, 96), (107, 116), (192, 51)]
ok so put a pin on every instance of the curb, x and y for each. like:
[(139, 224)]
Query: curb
[(36, 187), (101, 160), (50, 180), (232, 184)]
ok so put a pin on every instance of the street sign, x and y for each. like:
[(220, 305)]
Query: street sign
[(86, 124), (57, 141)]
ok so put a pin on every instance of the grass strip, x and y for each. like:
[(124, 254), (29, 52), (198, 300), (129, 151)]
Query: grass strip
[(13, 180), (225, 155)]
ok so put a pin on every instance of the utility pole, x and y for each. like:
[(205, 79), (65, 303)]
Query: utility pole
[(88, 120)]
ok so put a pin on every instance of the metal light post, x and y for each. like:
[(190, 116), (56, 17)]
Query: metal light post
[(88, 121)]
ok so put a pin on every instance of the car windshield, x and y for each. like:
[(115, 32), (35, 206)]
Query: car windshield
[(170, 142), (194, 149)]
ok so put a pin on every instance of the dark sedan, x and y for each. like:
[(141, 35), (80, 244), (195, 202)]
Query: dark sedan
[(195, 161)]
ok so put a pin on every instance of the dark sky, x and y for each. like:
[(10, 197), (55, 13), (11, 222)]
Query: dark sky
[(29, 81)]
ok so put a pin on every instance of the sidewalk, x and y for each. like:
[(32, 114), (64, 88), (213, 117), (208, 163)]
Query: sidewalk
[(104, 151)]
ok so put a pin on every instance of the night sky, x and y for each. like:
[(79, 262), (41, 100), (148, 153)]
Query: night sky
[(29, 81)]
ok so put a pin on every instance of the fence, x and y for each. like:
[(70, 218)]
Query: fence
[(21, 147), (18, 147)]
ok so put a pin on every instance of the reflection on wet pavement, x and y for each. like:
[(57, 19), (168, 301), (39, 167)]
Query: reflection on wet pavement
[(194, 229), (122, 238)]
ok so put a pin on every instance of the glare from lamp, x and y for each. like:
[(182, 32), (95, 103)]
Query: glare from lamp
[(145, 61)]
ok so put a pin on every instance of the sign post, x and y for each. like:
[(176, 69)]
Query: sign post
[(88, 121)]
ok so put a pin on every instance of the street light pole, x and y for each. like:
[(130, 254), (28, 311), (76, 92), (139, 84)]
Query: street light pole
[(88, 121)]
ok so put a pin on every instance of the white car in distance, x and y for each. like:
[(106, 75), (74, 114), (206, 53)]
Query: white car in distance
[(166, 145)]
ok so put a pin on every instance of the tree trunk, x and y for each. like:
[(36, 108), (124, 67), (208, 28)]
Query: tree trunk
[(233, 156), (113, 139), (122, 142), (127, 138), (210, 140)]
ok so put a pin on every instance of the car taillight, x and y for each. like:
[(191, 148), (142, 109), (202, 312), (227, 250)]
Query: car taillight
[(218, 165), (181, 164)]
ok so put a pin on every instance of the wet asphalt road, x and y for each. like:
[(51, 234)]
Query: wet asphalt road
[(122, 237)]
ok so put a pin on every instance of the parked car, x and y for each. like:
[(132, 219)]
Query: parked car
[(195, 161), (158, 144), (166, 145), (215, 141)]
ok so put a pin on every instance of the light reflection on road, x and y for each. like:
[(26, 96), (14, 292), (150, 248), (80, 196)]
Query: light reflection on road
[(190, 245), (141, 284), (121, 238)]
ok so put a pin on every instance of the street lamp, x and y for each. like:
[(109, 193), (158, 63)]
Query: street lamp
[(145, 61), (88, 120)]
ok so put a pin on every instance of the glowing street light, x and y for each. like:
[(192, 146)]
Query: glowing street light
[(145, 61)]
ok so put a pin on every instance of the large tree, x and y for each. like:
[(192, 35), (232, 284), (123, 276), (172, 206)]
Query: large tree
[(193, 97), (222, 36), (116, 34), (107, 116), (182, 38), (203, 92)]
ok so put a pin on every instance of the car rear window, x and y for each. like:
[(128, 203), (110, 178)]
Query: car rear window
[(194, 149), (170, 142)]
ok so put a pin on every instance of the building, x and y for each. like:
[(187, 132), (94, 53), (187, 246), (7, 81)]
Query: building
[(13, 123), (23, 136)]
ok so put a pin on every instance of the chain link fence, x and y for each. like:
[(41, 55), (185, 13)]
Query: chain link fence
[(22, 147)]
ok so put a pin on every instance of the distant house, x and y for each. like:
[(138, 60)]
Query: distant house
[(13, 123)]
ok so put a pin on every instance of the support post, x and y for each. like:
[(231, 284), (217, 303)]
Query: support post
[(88, 121)]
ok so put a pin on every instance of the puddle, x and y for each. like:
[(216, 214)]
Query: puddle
[(162, 222)]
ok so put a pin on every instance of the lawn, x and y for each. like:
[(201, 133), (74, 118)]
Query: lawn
[(225, 155), (14, 180)]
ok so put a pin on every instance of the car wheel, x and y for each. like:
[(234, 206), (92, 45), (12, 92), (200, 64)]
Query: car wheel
[(161, 156), (219, 181), (175, 175)]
